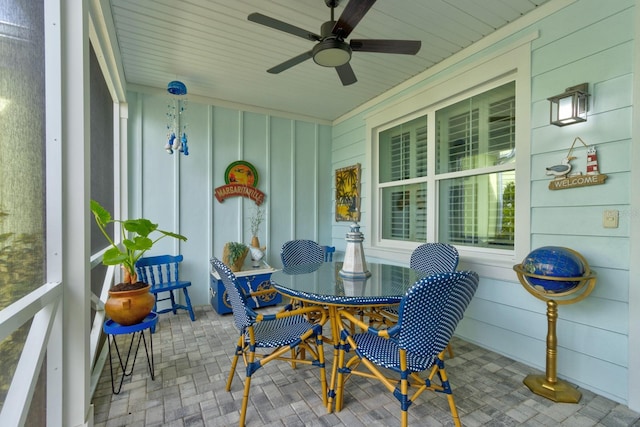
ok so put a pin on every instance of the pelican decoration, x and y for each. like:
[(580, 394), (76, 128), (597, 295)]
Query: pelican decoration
[(562, 169)]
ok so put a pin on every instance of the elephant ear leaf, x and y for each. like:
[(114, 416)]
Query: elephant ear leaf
[(140, 226), (102, 215), (113, 256), (139, 243)]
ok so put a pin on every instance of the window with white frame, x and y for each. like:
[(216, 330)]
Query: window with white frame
[(449, 174), (403, 170)]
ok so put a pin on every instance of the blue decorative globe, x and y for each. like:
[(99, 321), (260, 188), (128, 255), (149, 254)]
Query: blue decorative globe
[(553, 261)]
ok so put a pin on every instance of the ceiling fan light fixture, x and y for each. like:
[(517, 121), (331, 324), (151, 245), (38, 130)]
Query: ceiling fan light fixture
[(331, 49), (331, 53)]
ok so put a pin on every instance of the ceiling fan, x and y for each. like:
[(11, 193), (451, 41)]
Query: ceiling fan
[(332, 50)]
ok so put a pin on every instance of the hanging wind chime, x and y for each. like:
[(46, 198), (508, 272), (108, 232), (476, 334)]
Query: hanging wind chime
[(176, 120)]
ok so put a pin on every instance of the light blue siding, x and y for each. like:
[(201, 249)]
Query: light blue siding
[(588, 41)]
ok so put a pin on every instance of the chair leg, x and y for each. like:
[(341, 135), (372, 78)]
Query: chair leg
[(245, 401), (247, 386), (339, 385), (294, 355), (454, 410), (444, 379), (404, 391), (234, 362), (173, 302), (404, 418), (323, 373), (188, 302)]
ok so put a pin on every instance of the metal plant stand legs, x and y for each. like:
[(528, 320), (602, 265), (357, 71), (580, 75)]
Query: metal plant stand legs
[(136, 331)]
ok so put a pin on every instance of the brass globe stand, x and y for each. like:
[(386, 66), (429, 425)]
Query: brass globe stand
[(549, 385)]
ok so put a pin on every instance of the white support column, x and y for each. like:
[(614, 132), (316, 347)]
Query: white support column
[(76, 276), (53, 106)]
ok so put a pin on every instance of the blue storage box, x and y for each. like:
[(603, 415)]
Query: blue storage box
[(251, 280)]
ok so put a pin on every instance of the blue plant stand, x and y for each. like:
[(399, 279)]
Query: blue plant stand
[(112, 329)]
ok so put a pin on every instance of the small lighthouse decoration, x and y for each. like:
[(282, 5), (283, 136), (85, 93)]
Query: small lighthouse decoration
[(354, 265), (592, 161)]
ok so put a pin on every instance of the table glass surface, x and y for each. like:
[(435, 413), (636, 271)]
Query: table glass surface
[(322, 283)]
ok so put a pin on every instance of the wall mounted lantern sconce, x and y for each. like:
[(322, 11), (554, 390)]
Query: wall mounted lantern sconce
[(176, 120), (571, 106)]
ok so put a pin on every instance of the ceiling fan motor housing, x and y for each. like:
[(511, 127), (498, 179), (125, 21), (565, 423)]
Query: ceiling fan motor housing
[(331, 52)]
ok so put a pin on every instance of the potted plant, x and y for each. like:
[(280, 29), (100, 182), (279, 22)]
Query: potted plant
[(130, 301), (233, 255)]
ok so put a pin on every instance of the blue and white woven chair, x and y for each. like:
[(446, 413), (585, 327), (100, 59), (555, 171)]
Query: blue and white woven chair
[(428, 258), (301, 251), (431, 258), (278, 335), (428, 316)]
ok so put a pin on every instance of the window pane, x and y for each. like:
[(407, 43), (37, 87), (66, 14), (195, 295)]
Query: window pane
[(478, 210), (403, 151), (405, 213), (21, 149), (22, 143), (102, 179), (477, 132)]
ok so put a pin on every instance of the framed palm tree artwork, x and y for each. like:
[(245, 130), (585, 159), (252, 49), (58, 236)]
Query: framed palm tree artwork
[(348, 193)]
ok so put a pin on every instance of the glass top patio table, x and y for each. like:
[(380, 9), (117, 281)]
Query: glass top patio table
[(322, 283)]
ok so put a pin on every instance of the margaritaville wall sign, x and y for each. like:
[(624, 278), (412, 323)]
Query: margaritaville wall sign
[(565, 176), (241, 180)]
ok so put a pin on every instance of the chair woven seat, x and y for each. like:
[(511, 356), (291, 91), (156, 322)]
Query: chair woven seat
[(385, 352), (281, 332)]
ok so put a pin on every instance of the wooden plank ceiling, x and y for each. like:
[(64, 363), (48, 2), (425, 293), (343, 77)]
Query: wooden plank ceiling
[(212, 47)]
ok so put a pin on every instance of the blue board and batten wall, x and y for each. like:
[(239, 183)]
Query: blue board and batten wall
[(292, 158), (573, 42)]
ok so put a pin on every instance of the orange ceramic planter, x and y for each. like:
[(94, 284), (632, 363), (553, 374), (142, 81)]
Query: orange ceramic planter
[(129, 307)]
